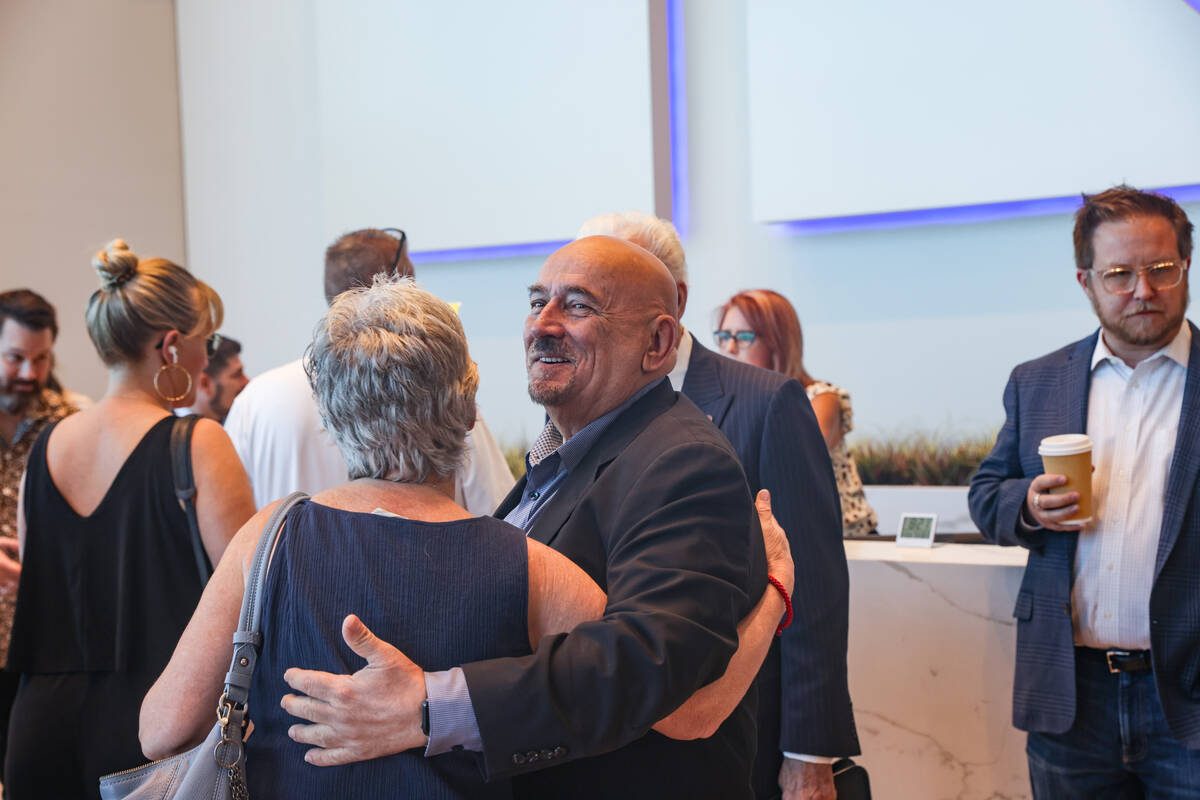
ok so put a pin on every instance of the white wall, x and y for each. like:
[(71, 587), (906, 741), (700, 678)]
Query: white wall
[(859, 108), (89, 150), (921, 325)]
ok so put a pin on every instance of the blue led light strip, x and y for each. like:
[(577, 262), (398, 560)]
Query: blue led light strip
[(494, 251), (681, 209), (953, 215)]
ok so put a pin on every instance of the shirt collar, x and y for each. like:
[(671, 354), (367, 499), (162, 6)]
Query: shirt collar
[(572, 451), (1178, 349), (683, 356)]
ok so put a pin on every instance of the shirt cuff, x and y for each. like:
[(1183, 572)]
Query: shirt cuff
[(452, 723), (810, 759)]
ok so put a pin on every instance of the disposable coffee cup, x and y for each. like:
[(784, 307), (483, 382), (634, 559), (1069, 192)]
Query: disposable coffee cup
[(1070, 454)]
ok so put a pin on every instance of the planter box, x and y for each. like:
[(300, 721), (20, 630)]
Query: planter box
[(948, 502)]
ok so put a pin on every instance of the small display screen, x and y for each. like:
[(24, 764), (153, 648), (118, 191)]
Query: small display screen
[(916, 528)]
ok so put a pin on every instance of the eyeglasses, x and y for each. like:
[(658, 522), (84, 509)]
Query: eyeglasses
[(744, 338), (403, 237), (1161, 276)]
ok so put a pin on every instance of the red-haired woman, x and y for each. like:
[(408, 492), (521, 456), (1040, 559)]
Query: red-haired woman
[(760, 327)]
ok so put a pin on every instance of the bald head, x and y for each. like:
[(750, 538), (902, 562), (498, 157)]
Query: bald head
[(635, 273), (601, 326)]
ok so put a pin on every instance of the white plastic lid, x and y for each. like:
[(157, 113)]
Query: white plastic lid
[(1066, 444)]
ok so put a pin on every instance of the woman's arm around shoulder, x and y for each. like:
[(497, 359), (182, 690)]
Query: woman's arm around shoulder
[(224, 499), (561, 595), (707, 708), (180, 707)]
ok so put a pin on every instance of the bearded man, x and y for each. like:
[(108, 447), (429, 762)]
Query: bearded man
[(1108, 614), (28, 329)]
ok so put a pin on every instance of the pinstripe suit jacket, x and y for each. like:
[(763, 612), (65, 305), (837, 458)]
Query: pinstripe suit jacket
[(804, 701), (1049, 396)]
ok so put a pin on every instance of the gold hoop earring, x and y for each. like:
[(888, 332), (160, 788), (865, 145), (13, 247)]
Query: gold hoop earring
[(163, 394)]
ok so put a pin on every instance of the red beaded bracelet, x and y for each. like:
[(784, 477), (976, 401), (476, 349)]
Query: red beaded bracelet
[(787, 601)]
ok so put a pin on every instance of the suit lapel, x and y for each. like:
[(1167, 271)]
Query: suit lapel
[(1185, 463), (703, 386), (613, 441), (1075, 383)]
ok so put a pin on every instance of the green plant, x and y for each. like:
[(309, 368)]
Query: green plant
[(921, 459), (514, 454)]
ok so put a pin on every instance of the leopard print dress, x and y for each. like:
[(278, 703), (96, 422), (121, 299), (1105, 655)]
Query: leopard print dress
[(858, 518)]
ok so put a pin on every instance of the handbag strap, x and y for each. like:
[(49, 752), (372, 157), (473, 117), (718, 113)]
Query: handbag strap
[(185, 488), (247, 640)]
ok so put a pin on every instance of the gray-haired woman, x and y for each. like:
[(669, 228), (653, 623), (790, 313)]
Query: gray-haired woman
[(395, 387)]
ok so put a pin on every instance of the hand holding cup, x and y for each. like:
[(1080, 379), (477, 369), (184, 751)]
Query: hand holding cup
[(1049, 510), (1061, 497)]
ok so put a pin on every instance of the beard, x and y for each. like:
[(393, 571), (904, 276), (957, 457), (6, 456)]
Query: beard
[(1138, 331), (17, 396), (547, 391), (219, 410)]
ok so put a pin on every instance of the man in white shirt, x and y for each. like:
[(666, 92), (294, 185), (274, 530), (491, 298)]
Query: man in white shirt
[(1108, 615), (274, 423), (805, 722)]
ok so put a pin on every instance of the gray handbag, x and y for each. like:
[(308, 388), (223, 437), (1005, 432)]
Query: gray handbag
[(216, 768)]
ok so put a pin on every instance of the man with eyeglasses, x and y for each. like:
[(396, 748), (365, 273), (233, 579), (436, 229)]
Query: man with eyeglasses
[(1108, 615), (274, 423)]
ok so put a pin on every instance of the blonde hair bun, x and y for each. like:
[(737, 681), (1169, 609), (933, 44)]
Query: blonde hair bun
[(115, 265)]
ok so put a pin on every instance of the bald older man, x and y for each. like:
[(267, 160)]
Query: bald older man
[(634, 484)]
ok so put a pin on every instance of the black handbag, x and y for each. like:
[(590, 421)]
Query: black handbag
[(850, 780), (215, 768)]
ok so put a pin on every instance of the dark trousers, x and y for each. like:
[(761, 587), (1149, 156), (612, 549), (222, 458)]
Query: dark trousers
[(1119, 745), (8, 690), (67, 730)]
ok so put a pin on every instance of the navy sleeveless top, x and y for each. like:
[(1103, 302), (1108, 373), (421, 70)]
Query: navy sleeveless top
[(112, 591), (444, 593)]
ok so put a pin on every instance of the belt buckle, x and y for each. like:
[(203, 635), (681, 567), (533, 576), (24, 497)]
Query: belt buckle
[(1108, 657)]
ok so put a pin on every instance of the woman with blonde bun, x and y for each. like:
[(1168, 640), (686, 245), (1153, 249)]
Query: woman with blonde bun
[(110, 577)]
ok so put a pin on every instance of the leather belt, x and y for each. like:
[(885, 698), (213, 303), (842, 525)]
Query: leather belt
[(1122, 660)]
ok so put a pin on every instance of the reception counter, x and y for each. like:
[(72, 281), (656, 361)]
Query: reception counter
[(930, 664)]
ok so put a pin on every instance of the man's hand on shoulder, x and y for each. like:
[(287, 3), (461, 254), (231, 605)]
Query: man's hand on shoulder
[(374, 712), (805, 780)]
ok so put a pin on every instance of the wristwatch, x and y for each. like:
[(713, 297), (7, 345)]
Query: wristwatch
[(425, 717)]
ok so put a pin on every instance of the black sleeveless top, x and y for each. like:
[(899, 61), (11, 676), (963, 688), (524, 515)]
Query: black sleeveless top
[(111, 591), (444, 593)]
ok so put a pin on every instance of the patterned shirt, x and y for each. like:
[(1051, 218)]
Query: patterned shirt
[(51, 407), (858, 518)]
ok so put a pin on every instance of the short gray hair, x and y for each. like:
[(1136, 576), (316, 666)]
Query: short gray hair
[(645, 230), (393, 380)]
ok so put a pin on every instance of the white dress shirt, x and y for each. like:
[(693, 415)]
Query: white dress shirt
[(277, 431), (1133, 418)]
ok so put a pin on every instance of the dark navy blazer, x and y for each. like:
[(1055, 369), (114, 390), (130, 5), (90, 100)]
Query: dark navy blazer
[(1049, 396), (658, 514), (804, 703)]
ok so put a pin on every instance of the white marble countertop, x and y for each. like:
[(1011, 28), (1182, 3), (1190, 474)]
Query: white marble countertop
[(986, 555)]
